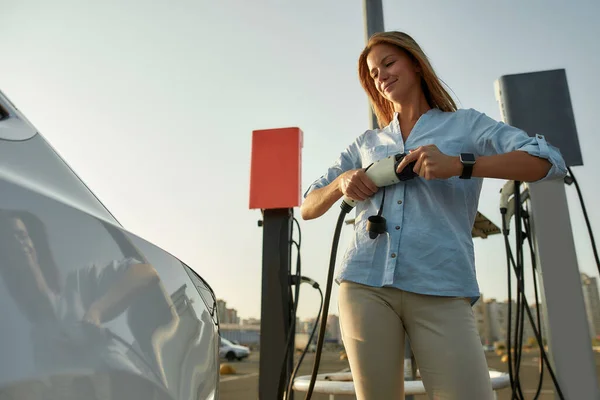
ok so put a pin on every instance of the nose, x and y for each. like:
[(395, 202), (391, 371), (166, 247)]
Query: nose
[(383, 76)]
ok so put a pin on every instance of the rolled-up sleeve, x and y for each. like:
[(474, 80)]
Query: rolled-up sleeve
[(495, 137), (347, 160)]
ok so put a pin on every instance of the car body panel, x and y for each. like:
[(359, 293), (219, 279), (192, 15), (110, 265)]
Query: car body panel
[(88, 307)]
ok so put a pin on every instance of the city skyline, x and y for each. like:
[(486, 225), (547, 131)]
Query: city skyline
[(308, 317), (491, 317), (590, 290)]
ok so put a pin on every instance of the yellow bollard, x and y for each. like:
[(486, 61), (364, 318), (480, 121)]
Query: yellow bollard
[(227, 369)]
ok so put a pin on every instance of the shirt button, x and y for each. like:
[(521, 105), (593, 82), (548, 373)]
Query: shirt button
[(399, 201), (397, 227), (393, 255)]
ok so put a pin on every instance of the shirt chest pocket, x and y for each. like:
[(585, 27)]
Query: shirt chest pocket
[(452, 147), (375, 153)]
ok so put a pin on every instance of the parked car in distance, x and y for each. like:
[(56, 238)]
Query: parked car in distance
[(231, 351)]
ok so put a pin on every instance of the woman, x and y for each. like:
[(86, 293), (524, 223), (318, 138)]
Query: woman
[(419, 277)]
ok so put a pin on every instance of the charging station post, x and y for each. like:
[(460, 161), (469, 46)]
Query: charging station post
[(275, 189), (540, 104)]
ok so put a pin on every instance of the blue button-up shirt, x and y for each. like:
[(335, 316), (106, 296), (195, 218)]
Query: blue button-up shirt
[(428, 247)]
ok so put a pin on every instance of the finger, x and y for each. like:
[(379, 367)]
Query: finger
[(369, 184), (355, 194), (419, 164), (430, 173), (355, 188), (423, 169), (353, 197), (361, 187), (410, 157), (348, 192), (427, 169)]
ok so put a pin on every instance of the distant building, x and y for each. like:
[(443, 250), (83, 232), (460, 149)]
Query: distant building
[(306, 326), (227, 315), (251, 321), (232, 317), (487, 317), (247, 335), (492, 321), (592, 303), (479, 311), (494, 325), (222, 310), (333, 332)]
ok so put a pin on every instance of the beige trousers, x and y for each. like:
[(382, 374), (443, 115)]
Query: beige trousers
[(443, 337)]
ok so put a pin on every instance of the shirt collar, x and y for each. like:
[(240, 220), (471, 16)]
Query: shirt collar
[(394, 124)]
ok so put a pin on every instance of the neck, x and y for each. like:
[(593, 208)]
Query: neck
[(412, 108)]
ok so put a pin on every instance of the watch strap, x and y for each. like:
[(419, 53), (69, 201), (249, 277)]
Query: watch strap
[(467, 171)]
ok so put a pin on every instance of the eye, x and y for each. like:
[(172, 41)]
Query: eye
[(390, 63)]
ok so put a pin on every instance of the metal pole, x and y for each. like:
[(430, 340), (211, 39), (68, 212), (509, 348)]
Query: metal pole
[(373, 19), (275, 321), (568, 335)]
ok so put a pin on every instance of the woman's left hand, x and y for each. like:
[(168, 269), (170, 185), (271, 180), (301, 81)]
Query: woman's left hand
[(432, 163)]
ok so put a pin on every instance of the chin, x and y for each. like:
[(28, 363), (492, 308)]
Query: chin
[(393, 97)]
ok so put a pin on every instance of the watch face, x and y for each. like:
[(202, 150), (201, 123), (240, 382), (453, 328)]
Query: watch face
[(467, 157)]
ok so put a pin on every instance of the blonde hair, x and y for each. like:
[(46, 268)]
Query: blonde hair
[(435, 93)]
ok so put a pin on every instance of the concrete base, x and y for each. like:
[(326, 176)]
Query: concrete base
[(340, 384)]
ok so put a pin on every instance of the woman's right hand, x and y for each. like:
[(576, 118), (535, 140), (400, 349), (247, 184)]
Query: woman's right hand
[(356, 185)]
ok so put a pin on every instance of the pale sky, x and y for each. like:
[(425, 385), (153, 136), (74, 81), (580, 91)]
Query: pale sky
[(153, 103)]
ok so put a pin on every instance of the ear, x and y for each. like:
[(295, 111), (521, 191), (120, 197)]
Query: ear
[(417, 67)]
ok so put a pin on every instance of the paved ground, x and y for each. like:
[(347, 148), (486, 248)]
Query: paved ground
[(244, 384)]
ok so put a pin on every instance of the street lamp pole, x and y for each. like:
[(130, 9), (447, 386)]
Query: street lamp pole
[(373, 20)]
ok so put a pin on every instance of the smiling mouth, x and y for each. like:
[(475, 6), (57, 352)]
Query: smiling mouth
[(387, 87)]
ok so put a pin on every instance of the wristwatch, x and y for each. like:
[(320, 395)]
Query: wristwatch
[(468, 161)]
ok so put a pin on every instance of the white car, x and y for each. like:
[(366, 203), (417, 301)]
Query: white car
[(231, 351), (90, 310)]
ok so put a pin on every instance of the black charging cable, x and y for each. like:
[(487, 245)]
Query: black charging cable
[(323, 324), (537, 334), (515, 389), (529, 236), (294, 301), (520, 306), (315, 285), (522, 302), (569, 180)]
